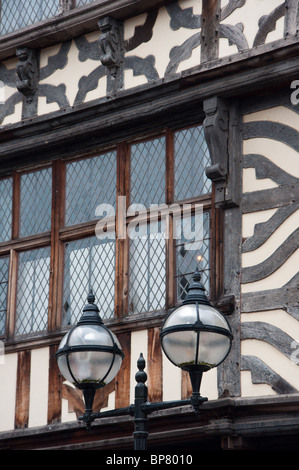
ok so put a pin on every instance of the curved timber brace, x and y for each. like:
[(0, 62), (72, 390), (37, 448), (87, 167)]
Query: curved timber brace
[(112, 51), (221, 127)]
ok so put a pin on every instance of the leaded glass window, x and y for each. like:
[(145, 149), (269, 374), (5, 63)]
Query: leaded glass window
[(191, 158), (16, 14), (36, 202), (132, 258), (192, 251), (89, 183), (81, 3), (89, 264), (5, 209), (148, 166), (4, 271), (147, 261), (33, 291), (148, 254)]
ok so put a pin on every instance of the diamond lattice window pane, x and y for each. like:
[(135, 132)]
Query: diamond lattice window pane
[(33, 291), (147, 266), (5, 209), (191, 252), (81, 3), (16, 14), (4, 267), (148, 172), (89, 183), (89, 264), (36, 200), (191, 158)]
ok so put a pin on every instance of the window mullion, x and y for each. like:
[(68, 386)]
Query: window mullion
[(12, 293), (170, 249), (122, 243), (13, 259), (16, 205), (216, 250), (57, 216)]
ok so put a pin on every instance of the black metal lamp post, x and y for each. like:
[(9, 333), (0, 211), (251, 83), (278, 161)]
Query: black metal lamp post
[(194, 336)]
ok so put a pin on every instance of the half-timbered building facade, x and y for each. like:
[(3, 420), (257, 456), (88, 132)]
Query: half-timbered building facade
[(112, 110)]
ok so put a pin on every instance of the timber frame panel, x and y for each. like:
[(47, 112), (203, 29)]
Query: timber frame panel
[(216, 92), (160, 101), (72, 23), (71, 131)]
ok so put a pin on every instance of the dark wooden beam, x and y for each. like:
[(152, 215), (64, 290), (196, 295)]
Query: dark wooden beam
[(72, 23), (271, 299), (97, 123), (210, 19), (260, 421), (270, 198)]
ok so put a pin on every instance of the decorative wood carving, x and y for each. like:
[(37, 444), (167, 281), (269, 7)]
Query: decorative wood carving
[(261, 373), (271, 334), (267, 23), (112, 50), (28, 72), (66, 5), (223, 136), (216, 133)]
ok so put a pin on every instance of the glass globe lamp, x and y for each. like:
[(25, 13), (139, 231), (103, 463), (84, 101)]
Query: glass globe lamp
[(89, 355), (195, 336)]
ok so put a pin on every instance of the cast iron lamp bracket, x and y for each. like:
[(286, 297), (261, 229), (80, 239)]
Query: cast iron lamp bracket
[(195, 319), (142, 407)]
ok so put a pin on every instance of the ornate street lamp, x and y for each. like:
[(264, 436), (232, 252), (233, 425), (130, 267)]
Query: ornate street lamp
[(89, 356), (195, 336)]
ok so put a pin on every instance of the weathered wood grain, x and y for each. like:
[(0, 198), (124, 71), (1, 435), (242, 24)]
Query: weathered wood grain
[(23, 389)]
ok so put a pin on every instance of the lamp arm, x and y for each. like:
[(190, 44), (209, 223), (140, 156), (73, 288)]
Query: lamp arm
[(88, 417), (150, 407), (195, 401)]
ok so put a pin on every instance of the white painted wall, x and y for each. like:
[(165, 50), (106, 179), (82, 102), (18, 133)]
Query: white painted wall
[(8, 380)]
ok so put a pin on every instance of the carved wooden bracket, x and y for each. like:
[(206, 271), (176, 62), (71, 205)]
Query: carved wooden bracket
[(28, 72), (112, 51), (216, 133), (226, 304), (66, 5), (223, 139)]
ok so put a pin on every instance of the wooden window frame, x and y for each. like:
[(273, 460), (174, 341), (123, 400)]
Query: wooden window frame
[(60, 234), (18, 244)]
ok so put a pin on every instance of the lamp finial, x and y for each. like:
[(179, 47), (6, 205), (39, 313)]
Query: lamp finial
[(91, 298)]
